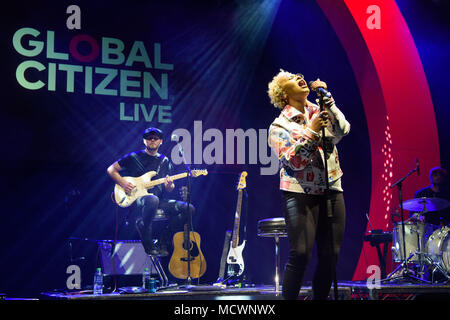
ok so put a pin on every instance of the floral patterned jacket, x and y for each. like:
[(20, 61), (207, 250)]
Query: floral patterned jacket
[(300, 149)]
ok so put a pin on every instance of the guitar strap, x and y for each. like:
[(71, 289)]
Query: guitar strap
[(141, 166), (161, 157), (245, 215), (139, 163)]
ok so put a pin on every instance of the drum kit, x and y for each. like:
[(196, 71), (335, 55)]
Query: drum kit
[(420, 245)]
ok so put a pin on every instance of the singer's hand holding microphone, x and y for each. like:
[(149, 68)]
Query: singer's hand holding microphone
[(320, 88), (321, 121)]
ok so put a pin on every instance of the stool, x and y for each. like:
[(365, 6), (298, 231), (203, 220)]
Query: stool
[(274, 228), (156, 261)]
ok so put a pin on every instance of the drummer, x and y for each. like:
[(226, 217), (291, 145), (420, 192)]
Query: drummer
[(437, 189)]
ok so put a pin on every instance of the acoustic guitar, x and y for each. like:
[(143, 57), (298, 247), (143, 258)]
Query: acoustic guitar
[(187, 244), (182, 242), (143, 183)]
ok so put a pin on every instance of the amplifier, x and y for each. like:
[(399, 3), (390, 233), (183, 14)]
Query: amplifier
[(124, 257)]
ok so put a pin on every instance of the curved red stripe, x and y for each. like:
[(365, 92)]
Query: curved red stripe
[(397, 103)]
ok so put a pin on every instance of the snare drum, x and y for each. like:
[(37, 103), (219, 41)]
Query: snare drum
[(414, 241), (438, 247)]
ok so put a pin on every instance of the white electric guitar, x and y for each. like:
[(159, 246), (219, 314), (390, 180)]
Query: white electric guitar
[(143, 183), (235, 260)]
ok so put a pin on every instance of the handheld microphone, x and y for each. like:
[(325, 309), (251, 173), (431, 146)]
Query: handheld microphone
[(417, 167), (320, 91), (176, 138)]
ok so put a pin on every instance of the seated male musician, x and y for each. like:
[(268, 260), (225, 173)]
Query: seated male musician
[(143, 210), (437, 189)]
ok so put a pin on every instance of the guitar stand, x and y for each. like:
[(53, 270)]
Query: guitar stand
[(233, 281), (239, 282)]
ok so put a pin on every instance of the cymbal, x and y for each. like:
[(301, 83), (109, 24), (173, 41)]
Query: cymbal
[(425, 204)]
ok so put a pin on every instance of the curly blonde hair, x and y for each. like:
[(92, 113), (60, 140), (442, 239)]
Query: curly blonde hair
[(276, 92)]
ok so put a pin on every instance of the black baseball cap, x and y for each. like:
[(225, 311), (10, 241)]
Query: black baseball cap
[(152, 131), (438, 169)]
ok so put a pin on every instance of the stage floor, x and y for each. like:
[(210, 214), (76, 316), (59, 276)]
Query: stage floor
[(349, 290)]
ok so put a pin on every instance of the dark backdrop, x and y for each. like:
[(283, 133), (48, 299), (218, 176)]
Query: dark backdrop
[(58, 144)]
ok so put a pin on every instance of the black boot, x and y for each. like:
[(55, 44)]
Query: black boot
[(146, 239)]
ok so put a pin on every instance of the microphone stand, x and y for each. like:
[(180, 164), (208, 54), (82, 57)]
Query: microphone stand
[(189, 224), (406, 273), (328, 202)]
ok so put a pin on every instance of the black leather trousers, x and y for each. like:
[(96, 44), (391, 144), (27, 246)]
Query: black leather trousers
[(307, 222)]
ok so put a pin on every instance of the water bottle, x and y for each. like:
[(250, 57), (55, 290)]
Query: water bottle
[(146, 280), (98, 282)]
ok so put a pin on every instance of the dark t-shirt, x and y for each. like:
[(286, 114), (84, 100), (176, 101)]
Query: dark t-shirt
[(137, 163), (438, 216)]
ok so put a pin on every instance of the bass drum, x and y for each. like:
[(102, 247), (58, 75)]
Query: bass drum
[(414, 241), (438, 248)]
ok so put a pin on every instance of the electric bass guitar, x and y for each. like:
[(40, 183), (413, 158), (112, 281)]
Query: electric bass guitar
[(235, 260), (143, 183)]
